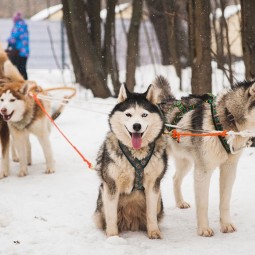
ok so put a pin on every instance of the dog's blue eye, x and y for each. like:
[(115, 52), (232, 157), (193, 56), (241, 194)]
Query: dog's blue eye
[(128, 115), (12, 100), (144, 115)]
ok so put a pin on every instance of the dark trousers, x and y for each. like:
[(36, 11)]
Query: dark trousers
[(21, 64)]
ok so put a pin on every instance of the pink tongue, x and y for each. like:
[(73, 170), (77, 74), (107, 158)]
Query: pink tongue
[(136, 140)]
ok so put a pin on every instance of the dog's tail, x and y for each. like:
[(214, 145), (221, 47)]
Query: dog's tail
[(162, 84), (7, 69)]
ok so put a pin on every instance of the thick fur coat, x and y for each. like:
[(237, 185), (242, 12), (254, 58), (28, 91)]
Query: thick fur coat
[(137, 123), (235, 109), (20, 116), (23, 117), (8, 72)]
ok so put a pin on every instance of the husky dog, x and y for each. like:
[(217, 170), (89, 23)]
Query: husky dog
[(7, 69), (23, 117), (8, 72), (234, 110), (131, 163)]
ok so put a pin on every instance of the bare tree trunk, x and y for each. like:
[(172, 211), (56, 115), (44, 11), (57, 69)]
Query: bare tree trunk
[(201, 44), (248, 37), (109, 52), (219, 40), (229, 58), (133, 43), (159, 21), (74, 57), (94, 8), (191, 31), (170, 13), (88, 61)]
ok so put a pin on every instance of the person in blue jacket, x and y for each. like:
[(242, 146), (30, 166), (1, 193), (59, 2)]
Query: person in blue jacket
[(18, 42)]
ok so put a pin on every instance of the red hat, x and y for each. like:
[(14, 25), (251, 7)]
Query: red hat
[(17, 16)]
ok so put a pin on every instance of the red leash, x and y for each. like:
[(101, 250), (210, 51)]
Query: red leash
[(53, 122)]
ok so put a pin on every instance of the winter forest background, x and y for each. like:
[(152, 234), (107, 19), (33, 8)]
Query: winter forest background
[(94, 46), (107, 37)]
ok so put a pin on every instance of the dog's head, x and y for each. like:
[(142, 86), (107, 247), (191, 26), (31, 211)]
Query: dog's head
[(136, 120), (14, 100)]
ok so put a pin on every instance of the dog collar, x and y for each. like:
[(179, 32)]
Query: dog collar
[(138, 164)]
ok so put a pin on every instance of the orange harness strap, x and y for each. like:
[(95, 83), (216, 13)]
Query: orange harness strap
[(43, 109), (177, 135)]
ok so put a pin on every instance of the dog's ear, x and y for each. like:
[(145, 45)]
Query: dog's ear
[(123, 94), (153, 94), (252, 89), (27, 87)]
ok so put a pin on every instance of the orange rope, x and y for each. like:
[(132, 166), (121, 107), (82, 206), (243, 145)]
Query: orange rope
[(63, 88), (177, 135), (43, 109)]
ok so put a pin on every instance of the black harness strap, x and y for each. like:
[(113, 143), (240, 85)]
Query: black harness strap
[(218, 125), (138, 165)]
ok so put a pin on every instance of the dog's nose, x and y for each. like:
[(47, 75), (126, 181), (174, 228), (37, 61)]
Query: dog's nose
[(137, 126), (3, 110)]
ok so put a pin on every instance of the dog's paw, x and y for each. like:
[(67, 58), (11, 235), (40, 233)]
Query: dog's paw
[(227, 228), (183, 205), (23, 173), (3, 174), (206, 232), (154, 234), (50, 171), (111, 232), (15, 159)]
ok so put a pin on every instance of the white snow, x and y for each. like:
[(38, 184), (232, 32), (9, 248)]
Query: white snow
[(44, 14), (52, 214), (228, 12), (118, 8)]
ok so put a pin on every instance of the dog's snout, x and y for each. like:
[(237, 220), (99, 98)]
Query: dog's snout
[(3, 110), (137, 127)]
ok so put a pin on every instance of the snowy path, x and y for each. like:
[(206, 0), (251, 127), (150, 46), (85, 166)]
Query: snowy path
[(52, 214)]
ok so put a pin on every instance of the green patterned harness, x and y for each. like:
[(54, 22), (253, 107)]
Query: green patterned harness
[(211, 99)]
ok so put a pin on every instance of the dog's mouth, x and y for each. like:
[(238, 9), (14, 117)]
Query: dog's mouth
[(136, 139), (7, 117)]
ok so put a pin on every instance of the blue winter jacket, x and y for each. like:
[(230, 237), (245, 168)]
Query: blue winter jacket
[(19, 38)]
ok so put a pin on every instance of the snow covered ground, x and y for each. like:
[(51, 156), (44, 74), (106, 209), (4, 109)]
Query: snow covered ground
[(52, 214)]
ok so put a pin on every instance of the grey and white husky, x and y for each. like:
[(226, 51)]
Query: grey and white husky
[(131, 163), (233, 109)]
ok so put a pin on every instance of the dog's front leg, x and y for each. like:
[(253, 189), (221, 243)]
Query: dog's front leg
[(182, 168), (5, 161), (29, 155), (202, 183), (110, 201), (44, 140), (227, 178), (20, 139), (15, 157), (152, 199)]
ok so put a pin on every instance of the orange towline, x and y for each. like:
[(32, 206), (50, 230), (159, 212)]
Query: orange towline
[(177, 135), (53, 122)]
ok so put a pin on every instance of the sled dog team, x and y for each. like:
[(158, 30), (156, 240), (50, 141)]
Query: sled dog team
[(20, 116), (133, 158)]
